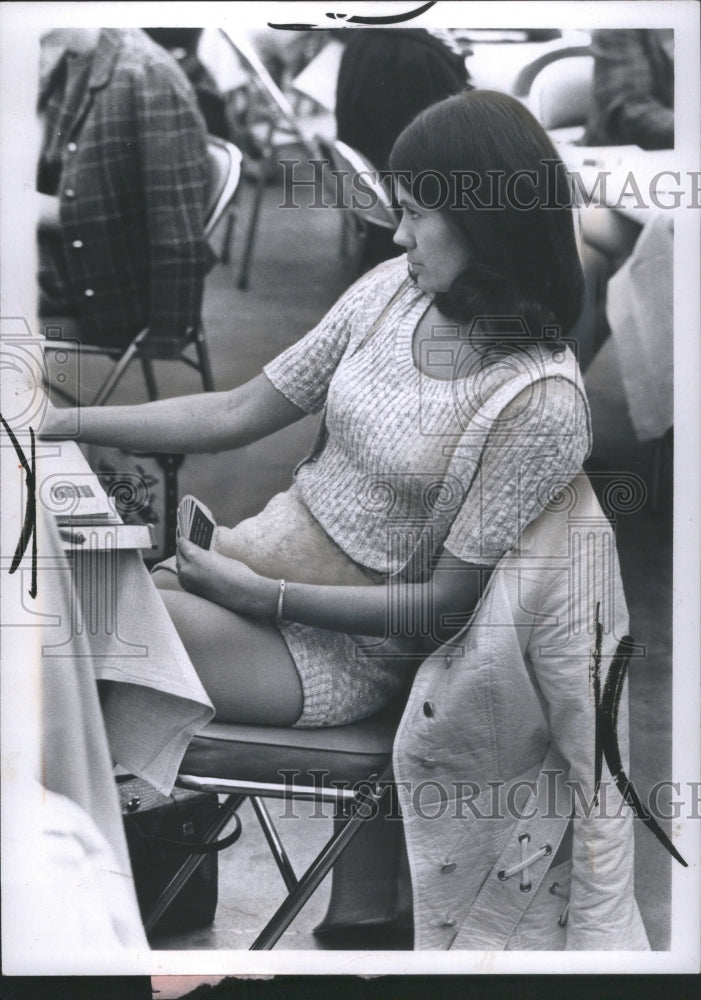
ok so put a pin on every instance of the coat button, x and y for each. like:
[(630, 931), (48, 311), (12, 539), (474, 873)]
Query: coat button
[(69, 193), (77, 244), (71, 147), (428, 709), (429, 762), (88, 293), (448, 867)]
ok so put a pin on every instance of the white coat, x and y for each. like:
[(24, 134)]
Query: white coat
[(516, 697)]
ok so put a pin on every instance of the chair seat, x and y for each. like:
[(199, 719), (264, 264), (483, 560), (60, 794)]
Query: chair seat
[(349, 753)]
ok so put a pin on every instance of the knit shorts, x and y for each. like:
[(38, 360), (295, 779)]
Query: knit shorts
[(344, 678)]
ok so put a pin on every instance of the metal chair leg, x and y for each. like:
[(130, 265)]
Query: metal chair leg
[(228, 236), (203, 361), (251, 232), (317, 871), (149, 377), (274, 843), (115, 377)]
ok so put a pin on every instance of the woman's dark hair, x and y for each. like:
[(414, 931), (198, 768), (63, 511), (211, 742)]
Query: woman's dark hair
[(483, 159)]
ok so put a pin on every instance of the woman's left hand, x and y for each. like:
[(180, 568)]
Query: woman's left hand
[(222, 580)]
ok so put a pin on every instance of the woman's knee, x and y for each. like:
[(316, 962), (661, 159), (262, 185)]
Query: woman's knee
[(165, 575), (243, 663)]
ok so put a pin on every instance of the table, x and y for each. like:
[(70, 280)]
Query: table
[(71, 619)]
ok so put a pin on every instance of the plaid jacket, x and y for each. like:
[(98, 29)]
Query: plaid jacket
[(633, 101), (125, 151)]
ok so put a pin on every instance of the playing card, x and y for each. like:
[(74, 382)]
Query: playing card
[(195, 522)]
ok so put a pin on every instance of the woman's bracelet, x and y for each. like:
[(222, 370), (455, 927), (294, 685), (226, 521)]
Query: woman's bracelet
[(280, 602)]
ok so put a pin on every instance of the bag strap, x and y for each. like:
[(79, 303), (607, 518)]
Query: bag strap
[(189, 846), (196, 846), (519, 870)]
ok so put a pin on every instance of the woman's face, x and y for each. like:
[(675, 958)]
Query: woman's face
[(435, 251)]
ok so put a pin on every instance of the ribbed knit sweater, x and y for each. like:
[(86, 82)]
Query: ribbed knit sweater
[(464, 463)]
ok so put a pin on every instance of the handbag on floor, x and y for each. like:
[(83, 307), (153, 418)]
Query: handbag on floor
[(161, 831)]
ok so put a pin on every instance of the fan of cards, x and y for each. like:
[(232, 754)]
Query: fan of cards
[(195, 522)]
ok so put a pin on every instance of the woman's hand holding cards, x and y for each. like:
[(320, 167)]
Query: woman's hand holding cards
[(224, 581)]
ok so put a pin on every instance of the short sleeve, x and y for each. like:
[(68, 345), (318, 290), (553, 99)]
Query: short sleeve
[(530, 453), (303, 372)]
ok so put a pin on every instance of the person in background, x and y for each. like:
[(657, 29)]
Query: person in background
[(182, 44), (123, 176), (633, 94), (385, 78)]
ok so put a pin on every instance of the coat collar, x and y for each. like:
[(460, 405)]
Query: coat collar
[(108, 45)]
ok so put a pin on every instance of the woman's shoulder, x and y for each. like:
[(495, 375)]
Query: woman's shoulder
[(372, 292), (386, 277)]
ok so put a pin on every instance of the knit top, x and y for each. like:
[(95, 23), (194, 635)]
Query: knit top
[(414, 464)]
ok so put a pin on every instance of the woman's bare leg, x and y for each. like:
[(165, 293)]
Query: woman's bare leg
[(243, 663), (165, 576)]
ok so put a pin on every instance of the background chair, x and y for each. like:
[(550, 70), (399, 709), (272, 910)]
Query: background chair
[(365, 202), (348, 766), (272, 123), (526, 76), (225, 173), (560, 96)]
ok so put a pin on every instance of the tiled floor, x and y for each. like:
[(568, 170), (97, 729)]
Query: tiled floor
[(297, 273)]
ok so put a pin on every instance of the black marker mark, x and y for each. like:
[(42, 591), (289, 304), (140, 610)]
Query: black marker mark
[(29, 527), (358, 19), (606, 733)]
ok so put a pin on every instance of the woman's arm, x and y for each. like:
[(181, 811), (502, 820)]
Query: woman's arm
[(206, 422), (436, 609)]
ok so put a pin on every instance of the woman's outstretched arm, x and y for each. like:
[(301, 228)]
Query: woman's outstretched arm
[(206, 422)]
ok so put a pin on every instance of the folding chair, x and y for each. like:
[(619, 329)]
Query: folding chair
[(317, 81), (225, 173), (527, 75), (372, 206), (349, 766), (278, 126), (560, 96)]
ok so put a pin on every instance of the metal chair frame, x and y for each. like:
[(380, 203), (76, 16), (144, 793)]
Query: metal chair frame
[(358, 219), (281, 127), (226, 178), (353, 807)]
